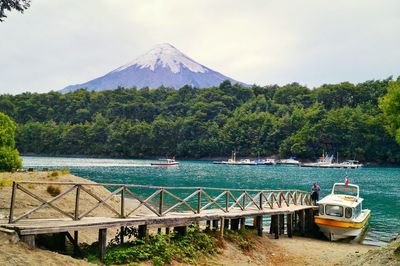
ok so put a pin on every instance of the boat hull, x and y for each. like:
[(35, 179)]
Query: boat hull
[(339, 229), (164, 164)]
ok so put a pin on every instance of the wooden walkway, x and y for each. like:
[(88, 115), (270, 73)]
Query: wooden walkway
[(165, 207)]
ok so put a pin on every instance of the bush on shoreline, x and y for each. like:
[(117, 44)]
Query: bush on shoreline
[(160, 249)]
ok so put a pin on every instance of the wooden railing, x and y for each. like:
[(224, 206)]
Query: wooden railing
[(194, 200)]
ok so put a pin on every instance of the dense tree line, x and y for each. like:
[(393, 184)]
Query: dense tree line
[(290, 120), (9, 156)]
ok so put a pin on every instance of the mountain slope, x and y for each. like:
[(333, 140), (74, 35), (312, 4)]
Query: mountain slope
[(162, 65)]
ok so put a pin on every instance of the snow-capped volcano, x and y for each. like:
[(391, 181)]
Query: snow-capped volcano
[(162, 65)]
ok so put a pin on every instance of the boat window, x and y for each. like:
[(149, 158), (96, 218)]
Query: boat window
[(357, 210), (348, 213), (334, 210), (321, 209)]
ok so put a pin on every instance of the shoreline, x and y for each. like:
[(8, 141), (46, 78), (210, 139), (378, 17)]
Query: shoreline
[(203, 159)]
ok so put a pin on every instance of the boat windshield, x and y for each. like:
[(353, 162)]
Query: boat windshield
[(350, 190)]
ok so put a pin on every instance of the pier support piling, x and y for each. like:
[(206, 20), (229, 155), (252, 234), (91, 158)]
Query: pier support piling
[(222, 227), (29, 240), (102, 243), (242, 223), (281, 224), (276, 226), (289, 226), (302, 222), (259, 225)]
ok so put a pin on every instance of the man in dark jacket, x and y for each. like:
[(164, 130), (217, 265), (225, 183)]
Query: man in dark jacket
[(315, 193)]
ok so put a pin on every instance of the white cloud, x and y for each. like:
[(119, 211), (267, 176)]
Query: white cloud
[(58, 43)]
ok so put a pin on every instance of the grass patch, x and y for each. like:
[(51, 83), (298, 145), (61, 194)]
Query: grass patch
[(5, 183), (53, 190), (243, 238), (160, 249), (65, 171)]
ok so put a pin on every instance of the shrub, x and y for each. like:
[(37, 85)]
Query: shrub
[(9, 156), (65, 171), (54, 173), (53, 190), (161, 249), (9, 159), (242, 238)]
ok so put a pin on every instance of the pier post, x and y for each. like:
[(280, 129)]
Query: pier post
[(76, 243), (281, 224), (143, 232), (289, 224), (302, 221), (276, 226), (29, 240), (242, 223), (102, 243), (259, 225), (310, 220), (215, 224), (234, 224), (222, 227)]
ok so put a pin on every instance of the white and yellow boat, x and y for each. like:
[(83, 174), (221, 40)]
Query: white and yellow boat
[(341, 214)]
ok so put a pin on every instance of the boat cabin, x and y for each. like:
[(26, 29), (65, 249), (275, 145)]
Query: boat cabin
[(343, 202)]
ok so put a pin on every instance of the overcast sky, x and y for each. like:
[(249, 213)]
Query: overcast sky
[(56, 43)]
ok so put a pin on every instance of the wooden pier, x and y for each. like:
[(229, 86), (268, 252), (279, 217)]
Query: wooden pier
[(161, 207)]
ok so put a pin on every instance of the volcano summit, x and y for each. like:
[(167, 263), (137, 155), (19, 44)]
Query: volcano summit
[(163, 65)]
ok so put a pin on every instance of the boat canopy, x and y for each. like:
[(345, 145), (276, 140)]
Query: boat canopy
[(343, 189)]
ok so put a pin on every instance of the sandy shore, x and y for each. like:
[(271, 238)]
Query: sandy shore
[(266, 251)]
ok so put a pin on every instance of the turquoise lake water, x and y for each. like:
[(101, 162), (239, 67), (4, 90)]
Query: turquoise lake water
[(380, 186)]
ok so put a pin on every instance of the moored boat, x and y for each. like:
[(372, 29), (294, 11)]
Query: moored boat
[(341, 214), (165, 162), (290, 161), (323, 162)]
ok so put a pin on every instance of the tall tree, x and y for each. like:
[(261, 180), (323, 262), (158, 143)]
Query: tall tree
[(390, 105), (19, 5)]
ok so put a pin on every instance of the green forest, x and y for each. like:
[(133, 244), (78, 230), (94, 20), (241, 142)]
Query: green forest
[(290, 120)]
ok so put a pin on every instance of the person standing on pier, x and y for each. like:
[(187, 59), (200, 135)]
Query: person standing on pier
[(315, 193)]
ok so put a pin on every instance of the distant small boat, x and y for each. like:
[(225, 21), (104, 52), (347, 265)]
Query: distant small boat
[(166, 162), (341, 214), (290, 161), (233, 161), (323, 162), (350, 164)]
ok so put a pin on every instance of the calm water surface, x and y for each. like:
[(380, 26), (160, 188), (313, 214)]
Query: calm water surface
[(380, 186)]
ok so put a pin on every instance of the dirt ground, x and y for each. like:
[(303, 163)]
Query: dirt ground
[(266, 251)]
